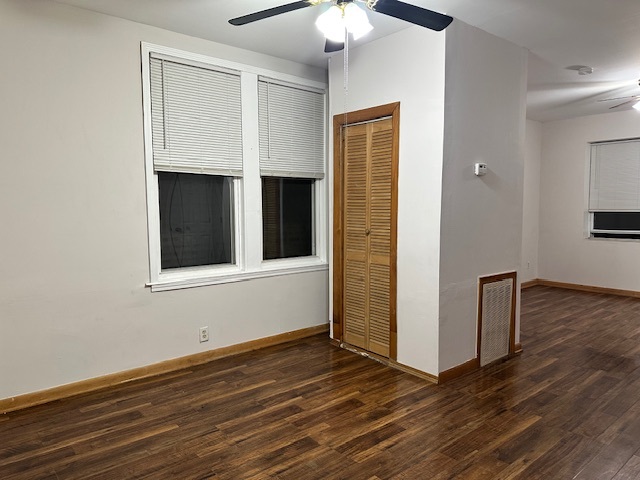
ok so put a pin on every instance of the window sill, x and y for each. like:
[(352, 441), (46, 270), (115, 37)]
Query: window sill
[(271, 268), (614, 239)]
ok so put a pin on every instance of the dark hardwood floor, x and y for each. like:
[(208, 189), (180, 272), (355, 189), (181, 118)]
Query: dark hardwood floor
[(568, 407)]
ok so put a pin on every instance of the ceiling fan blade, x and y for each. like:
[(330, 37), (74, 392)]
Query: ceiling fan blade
[(331, 46), (270, 12), (634, 100), (411, 13), (619, 98)]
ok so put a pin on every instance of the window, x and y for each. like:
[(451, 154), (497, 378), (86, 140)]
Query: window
[(614, 189), (287, 217), (291, 160), (616, 225), (197, 152), (235, 170), (196, 220)]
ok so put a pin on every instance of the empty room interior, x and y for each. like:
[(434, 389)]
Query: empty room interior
[(320, 240)]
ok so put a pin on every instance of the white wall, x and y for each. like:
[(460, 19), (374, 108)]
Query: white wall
[(407, 67), (73, 302), (531, 201), (481, 230), (566, 255)]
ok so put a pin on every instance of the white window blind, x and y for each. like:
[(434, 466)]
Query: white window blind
[(196, 119), (615, 177), (291, 126)]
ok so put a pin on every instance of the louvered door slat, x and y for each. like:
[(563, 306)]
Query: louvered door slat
[(355, 191), (355, 303), (379, 309), (380, 196)]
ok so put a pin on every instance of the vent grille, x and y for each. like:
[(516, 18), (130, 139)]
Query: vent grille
[(497, 300)]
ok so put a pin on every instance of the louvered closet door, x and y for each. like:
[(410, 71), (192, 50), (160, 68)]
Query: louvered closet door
[(367, 235)]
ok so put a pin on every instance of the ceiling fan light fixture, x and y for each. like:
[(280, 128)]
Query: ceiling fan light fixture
[(332, 24), (356, 21)]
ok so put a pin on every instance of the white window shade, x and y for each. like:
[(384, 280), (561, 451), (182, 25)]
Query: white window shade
[(291, 126), (196, 119), (615, 177)]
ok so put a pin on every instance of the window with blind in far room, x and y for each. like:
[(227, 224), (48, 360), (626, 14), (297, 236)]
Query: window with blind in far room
[(614, 189)]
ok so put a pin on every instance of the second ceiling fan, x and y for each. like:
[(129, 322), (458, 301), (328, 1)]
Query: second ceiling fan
[(635, 99), (393, 8)]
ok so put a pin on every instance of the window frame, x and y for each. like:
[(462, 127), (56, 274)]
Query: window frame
[(247, 190)]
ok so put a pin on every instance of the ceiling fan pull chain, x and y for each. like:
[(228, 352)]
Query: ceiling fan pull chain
[(345, 70)]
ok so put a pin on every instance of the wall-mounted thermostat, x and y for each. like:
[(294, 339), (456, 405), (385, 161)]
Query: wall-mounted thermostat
[(480, 169)]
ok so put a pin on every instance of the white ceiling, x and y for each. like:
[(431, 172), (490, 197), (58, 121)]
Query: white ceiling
[(603, 34)]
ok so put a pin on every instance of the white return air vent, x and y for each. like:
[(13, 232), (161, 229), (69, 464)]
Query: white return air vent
[(496, 320)]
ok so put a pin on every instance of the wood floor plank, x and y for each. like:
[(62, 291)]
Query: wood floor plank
[(630, 471), (568, 407)]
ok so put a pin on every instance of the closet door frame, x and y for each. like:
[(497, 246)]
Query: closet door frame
[(339, 121)]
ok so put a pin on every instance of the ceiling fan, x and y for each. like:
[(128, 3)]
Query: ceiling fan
[(633, 99), (393, 8)]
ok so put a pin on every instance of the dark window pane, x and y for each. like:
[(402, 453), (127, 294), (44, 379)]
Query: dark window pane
[(616, 221), (287, 217), (634, 236), (196, 220)]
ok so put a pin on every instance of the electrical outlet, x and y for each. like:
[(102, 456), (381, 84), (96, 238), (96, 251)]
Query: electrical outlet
[(204, 334)]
